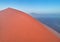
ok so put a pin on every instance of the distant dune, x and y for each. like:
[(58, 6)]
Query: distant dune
[(50, 19), (17, 26)]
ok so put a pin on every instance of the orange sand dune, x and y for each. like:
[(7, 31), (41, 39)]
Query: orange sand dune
[(17, 26)]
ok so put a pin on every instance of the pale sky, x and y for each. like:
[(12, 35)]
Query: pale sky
[(29, 6)]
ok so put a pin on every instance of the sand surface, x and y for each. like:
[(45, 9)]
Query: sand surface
[(17, 26)]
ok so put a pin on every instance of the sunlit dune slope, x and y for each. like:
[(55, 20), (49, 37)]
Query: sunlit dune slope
[(17, 26)]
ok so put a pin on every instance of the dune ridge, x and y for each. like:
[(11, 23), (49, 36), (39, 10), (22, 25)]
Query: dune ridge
[(17, 26)]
